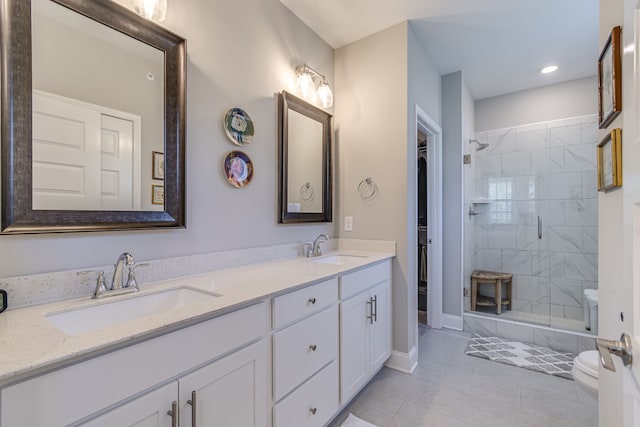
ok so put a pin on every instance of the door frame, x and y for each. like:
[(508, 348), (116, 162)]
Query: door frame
[(434, 216)]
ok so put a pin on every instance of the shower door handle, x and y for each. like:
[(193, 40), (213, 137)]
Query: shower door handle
[(539, 227)]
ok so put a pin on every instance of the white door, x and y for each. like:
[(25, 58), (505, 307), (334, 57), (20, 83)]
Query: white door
[(149, 410), (354, 344), (229, 392), (434, 218), (116, 160), (619, 245), (66, 155), (85, 156), (380, 328)]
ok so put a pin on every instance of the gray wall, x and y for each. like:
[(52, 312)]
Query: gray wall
[(227, 67), (452, 194), (570, 99), (371, 141)]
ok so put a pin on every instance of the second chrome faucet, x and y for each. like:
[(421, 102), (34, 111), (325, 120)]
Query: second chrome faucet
[(314, 249)]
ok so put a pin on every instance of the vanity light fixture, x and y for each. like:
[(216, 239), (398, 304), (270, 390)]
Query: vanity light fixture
[(306, 87), (549, 69), (153, 10)]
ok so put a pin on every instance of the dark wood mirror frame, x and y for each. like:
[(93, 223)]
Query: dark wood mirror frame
[(16, 134), (286, 102)]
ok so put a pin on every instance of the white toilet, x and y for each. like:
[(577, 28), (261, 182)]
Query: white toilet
[(585, 371)]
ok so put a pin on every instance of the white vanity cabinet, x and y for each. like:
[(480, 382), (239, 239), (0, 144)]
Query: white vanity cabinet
[(135, 386), (365, 326), (305, 356), (149, 410), (229, 392)]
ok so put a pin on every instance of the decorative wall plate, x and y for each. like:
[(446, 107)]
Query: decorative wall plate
[(238, 126), (238, 169)]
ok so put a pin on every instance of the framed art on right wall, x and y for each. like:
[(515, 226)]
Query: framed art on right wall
[(610, 79), (610, 161)]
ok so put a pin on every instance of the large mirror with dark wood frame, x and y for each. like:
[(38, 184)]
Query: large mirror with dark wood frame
[(304, 138), (93, 118)]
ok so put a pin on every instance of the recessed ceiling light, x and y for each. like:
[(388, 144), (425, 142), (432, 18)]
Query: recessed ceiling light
[(549, 69)]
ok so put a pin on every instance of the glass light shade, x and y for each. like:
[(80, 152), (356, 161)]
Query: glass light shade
[(305, 87), (325, 95), (153, 10)]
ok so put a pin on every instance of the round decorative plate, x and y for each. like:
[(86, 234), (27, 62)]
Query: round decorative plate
[(238, 126), (238, 169)]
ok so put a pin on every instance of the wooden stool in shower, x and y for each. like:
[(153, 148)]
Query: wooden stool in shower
[(496, 279)]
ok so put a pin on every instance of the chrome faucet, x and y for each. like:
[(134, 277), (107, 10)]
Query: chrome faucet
[(118, 285), (118, 278), (315, 250)]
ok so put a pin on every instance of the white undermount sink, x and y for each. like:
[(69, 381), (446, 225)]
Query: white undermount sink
[(75, 322), (338, 259)]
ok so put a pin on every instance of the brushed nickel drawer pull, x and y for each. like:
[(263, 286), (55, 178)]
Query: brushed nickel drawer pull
[(192, 402), (313, 347), (173, 413)]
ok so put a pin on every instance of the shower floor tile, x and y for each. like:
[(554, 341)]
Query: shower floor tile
[(523, 355)]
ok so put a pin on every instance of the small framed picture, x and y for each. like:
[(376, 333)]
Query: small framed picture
[(610, 161), (610, 79), (158, 165), (157, 194)]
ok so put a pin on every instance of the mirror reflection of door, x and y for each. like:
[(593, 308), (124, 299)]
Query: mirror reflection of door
[(79, 60), (304, 191), (85, 157)]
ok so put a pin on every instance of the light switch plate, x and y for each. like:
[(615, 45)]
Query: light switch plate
[(348, 223)]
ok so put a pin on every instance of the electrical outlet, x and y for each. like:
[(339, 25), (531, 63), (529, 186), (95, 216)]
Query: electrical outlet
[(348, 223), (466, 292), (466, 159)]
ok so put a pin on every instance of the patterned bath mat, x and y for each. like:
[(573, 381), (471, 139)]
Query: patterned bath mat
[(529, 356)]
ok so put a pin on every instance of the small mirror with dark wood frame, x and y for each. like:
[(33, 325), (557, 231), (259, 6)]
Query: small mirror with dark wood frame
[(304, 142), (24, 173)]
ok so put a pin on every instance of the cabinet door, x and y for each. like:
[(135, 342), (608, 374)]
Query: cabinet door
[(229, 392), (380, 329), (149, 410), (354, 344)]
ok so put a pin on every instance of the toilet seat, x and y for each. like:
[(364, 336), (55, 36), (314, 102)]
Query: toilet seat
[(587, 362), (585, 371)]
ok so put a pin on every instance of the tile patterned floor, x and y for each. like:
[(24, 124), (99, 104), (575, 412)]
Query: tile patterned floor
[(523, 355), (451, 389)]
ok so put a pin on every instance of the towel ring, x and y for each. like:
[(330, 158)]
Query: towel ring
[(306, 192), (367, 188)]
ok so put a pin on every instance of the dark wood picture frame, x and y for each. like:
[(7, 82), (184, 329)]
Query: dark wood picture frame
[(18, 215), (610, 161), (610, 79), (157, 170)]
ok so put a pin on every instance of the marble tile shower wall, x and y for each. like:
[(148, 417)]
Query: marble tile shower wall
[(546, 170)]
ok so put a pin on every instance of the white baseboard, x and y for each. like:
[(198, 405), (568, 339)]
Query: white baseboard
[(403, 362), (452, 322)]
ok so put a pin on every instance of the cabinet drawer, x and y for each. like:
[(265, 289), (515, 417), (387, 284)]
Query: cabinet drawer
[(302, 349), (313, 404), (358, 281), (295, 305)]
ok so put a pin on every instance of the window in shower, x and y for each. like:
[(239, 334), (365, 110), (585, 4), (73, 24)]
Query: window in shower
[(500, 190)]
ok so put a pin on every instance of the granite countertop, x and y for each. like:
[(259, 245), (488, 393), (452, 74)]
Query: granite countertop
[(30, 344)]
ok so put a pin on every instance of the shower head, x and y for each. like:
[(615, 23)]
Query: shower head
[(481, 145)]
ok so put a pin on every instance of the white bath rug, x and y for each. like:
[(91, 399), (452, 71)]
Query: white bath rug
[(353, 421), (524, 355)]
